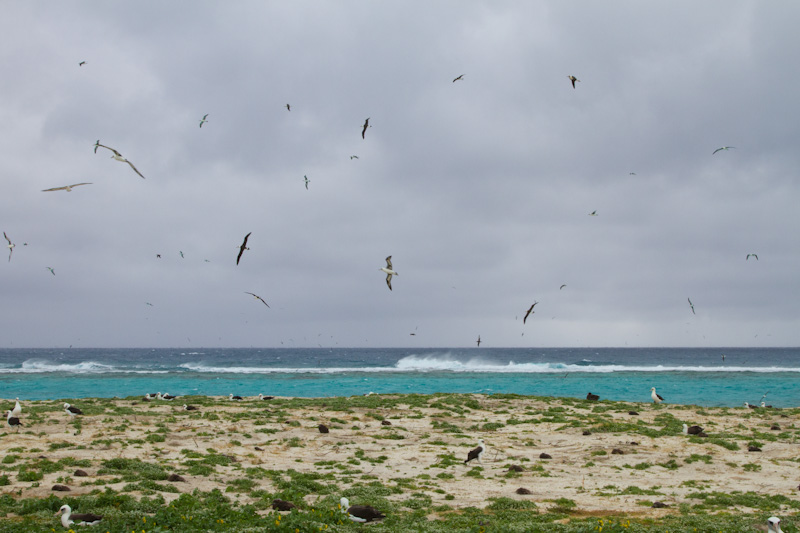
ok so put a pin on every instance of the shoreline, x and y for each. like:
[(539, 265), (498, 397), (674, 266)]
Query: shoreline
[(626, 463)]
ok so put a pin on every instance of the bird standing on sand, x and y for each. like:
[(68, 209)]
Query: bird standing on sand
[(257, 297), (117, 156), (11, 246), (12, 420), (243, 247), (366, 125), (722, 148), (360, 513), (67, 188), (528, 312), (83, 519), (655, 396), (389, 272), (203, 120), (573, 79), (476, 452), (71, 410), (17, 410)]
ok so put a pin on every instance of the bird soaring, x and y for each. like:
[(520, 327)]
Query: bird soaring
[(243, 247), (117, 156)]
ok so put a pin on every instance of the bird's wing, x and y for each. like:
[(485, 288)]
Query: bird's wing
[(134, 168), (389, 281), (98, 145), (56, 189), (6, 236), (389, 262)]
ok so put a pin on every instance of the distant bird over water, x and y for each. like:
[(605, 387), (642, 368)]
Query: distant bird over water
[(751, 255), (691, 305), (479, 341), (203, 120), (257, 297), (353, 157), (364, 131), (389, 272), (67, 188), (573, 79), (722, 148), (461, 77), (528, 312), (11, 246), (117, 156), (243, 247)]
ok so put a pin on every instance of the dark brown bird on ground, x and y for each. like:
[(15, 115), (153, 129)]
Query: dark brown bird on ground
[(243, 247), (282, 505), (323, 428), (592, 397)]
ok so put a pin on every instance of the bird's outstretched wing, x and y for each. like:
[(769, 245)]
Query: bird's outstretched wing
[(257, 297), (134, 169), (98, 145)]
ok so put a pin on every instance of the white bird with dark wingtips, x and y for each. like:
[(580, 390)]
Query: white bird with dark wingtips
[(82, 519), (476, 452), (389, 272), (11, 246), (257, 297), (360, 513), (71, 410), (67, 188), (117, 156), (655, 396)]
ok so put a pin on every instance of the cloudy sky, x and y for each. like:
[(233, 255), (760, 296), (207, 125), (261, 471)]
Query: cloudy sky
[(479, 189)]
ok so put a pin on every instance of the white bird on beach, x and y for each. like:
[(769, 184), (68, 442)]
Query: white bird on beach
[(17, 410), (83, 519), (232, 397), (117, 156), (655, 396), (67, 188), (360, 513), (389, 272), (476, 452), (71, 410), (774, 525)]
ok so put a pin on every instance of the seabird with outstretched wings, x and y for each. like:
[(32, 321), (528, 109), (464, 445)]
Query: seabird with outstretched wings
[(117, 156), (243, 247)]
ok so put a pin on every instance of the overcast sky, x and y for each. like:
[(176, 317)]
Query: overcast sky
[(479, 189)]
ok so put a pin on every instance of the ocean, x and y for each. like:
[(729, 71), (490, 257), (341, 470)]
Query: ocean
[(686, 376)]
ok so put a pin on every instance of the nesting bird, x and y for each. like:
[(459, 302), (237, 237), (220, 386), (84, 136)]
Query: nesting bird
[(83, 519), (71, 410), (360, 513), (592, 397), (476, 452)]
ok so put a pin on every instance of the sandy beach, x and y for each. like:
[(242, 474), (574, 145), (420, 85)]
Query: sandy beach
[(601, 458)]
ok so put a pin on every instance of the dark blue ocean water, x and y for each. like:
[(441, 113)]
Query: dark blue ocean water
[(699, 376)]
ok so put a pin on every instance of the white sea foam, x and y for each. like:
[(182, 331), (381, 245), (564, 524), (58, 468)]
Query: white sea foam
[(36, 366)]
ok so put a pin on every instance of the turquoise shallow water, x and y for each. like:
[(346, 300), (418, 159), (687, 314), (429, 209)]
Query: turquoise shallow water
[(682, 376)]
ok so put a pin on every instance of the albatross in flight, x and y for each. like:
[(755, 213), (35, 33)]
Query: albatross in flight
[(307, 180), (257, 297), (364, 131), (67, 188), (11, 246), (530, 310), (748, 257), (389, 272), (243, 247), (461, 77), (573, 79), (203, 120), (722, 148), (117, 156), (691, 305)]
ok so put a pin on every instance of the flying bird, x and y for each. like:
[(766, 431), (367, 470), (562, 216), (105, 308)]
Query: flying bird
[(479, 341), (181, 252), (117, 156), (748, 257), (307, 180), (288, 107), (389, 272), (366, 125), (593, 213), (242, 248), (561, 287), (722, 148), (353, 157), (691, 305), (53, 272), (203, 120), (573, 79), (67, 188), (461, 77), (11, 246), (530, 310), (257, 297), (82, 63)]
